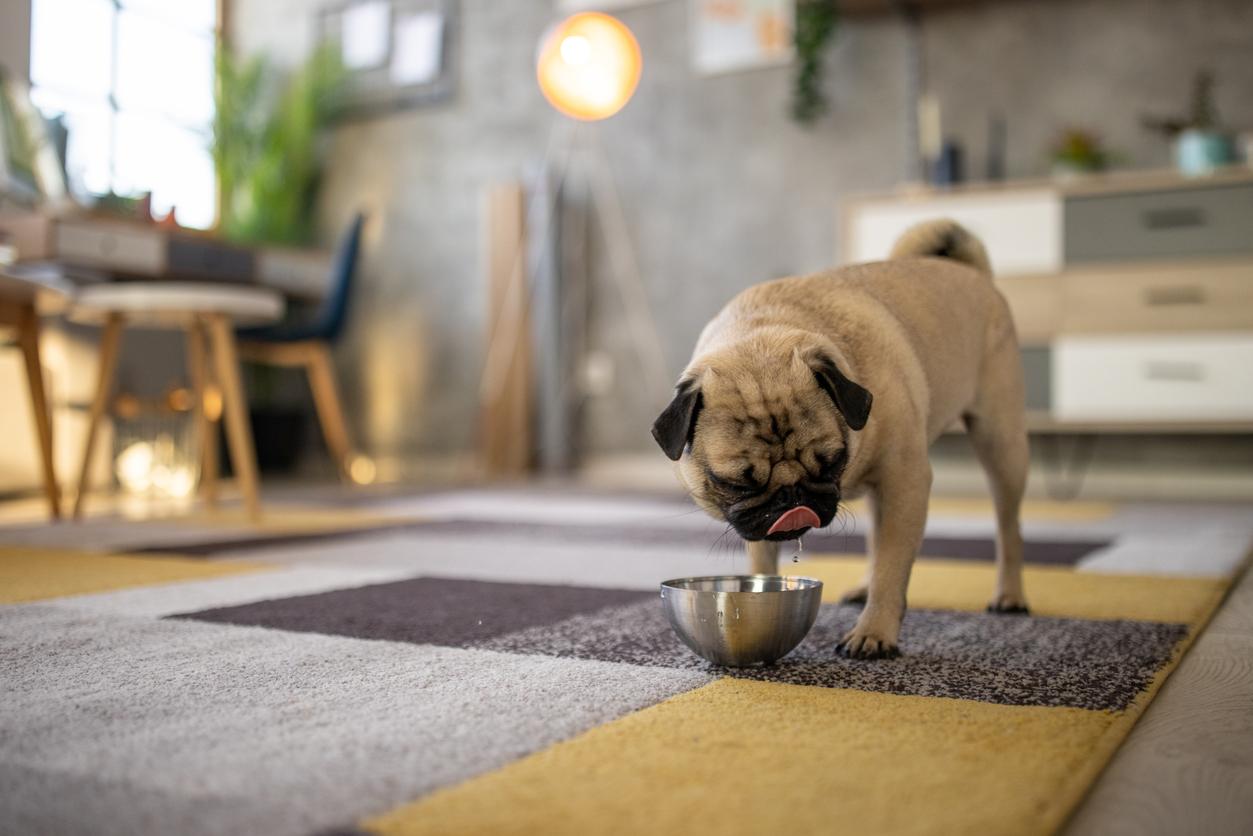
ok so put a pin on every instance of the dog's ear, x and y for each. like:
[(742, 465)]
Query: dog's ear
[(675, 425), (851, 399)]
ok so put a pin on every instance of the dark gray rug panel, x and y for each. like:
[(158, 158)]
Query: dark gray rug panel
[(1012, 660), (455, 613)]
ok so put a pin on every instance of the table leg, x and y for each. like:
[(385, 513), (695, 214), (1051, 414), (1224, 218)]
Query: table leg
[(28, 337), (208, 408), (235, 406), (109, 341)]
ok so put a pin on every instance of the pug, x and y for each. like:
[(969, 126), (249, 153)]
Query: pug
[(807, 390)]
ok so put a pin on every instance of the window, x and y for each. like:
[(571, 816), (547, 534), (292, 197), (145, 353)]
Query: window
[(134, 82)]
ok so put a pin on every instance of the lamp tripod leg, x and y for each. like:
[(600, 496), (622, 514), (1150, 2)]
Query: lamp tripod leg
[(626, 272)]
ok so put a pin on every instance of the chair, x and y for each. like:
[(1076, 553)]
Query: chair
[(308, 345)]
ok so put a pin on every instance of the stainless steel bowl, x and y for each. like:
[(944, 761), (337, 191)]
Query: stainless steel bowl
[(742, 620)]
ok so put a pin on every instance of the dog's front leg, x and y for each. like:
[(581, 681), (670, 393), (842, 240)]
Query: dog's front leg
[(900, 510), (763, 557)]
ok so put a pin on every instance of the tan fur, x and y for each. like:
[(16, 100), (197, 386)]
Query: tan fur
[(931, 339)]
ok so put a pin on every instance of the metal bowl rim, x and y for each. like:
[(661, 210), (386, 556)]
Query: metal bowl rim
[(681, 584)]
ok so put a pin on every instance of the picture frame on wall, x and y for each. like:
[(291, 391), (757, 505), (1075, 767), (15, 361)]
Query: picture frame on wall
[(398, 53), (734, 35), (571, 6)]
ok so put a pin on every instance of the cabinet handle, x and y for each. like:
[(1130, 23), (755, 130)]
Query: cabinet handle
[(1173, 217), (1178, 295), (1174, 370)]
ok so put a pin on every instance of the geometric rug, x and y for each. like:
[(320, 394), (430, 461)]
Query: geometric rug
[(453, 673)]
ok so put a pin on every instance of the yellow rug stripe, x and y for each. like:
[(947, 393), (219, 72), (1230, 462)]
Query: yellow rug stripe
[(740, 756), (1033, 510), (286, 519), (1051, 590), (33, 574)]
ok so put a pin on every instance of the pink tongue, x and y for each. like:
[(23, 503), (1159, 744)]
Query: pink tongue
[(794, 520)]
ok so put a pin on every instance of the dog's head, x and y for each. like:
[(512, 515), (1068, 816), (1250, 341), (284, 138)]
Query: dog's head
[(766, 430)]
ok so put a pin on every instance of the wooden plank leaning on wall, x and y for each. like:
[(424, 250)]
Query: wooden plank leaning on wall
[(505, 393)]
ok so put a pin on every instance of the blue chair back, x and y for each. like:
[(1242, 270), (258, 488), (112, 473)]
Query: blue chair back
[(333, 312)]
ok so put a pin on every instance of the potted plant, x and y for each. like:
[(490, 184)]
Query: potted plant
[(266, 145), (1200, 143), (1077, 152), (815, 27)]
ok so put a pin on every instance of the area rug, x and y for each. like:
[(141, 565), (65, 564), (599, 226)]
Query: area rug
[(481, 679)]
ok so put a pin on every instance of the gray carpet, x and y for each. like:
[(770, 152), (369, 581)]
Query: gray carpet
[(114, 725)]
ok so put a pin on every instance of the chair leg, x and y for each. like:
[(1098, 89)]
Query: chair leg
[(235, 406), (109, 341), (28, 337), (206, 414), (330, 410)]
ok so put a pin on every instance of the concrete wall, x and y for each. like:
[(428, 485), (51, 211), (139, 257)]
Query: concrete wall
[(15, 37), (721, 189)]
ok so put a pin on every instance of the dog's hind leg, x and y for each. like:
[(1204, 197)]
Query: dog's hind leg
[(997, 429), (763, 557)]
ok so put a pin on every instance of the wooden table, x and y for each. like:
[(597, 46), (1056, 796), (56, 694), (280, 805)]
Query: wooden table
[(102, 252), (19, 291)]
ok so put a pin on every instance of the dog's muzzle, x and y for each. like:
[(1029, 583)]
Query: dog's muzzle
[(786, 515)]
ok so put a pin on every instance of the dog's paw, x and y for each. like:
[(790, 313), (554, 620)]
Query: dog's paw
[(1009, 605), (856, 595), (865, 643)]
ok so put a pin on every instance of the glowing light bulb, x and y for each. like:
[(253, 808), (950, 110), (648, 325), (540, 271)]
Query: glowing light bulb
[(589, 66), (134, 467), (576, 50)]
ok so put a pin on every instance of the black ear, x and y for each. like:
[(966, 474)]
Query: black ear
[(851, 399), (675, 425)]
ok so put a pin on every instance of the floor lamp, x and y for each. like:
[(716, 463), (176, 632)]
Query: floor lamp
[(587, 67)]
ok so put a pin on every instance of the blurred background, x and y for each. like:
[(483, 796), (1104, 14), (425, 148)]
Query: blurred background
[(495, 231)]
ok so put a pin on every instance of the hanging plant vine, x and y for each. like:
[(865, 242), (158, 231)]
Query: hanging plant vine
[(815, 27)]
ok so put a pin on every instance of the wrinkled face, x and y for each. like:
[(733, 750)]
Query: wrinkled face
[(765, 442)]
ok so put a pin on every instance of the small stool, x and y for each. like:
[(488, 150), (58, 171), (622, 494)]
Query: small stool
[(209, 314)]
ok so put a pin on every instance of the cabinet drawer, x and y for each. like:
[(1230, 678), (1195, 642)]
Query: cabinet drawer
[(1206, 221), (1200, 296), (1036, 305), (1021, 230), (109, 246), (1037, 377), (1177, 377)]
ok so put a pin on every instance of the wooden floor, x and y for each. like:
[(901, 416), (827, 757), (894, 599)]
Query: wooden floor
[(1187, 767)]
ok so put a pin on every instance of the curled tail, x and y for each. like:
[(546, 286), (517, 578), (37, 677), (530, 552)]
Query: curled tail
[(942, 238)]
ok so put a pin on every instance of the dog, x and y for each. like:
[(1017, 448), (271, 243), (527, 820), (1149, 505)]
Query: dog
[(807, 390)]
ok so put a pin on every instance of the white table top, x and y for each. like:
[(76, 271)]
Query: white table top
[(172, 304)]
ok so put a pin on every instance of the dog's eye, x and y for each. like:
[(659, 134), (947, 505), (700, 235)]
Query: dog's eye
[(735, 486)]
